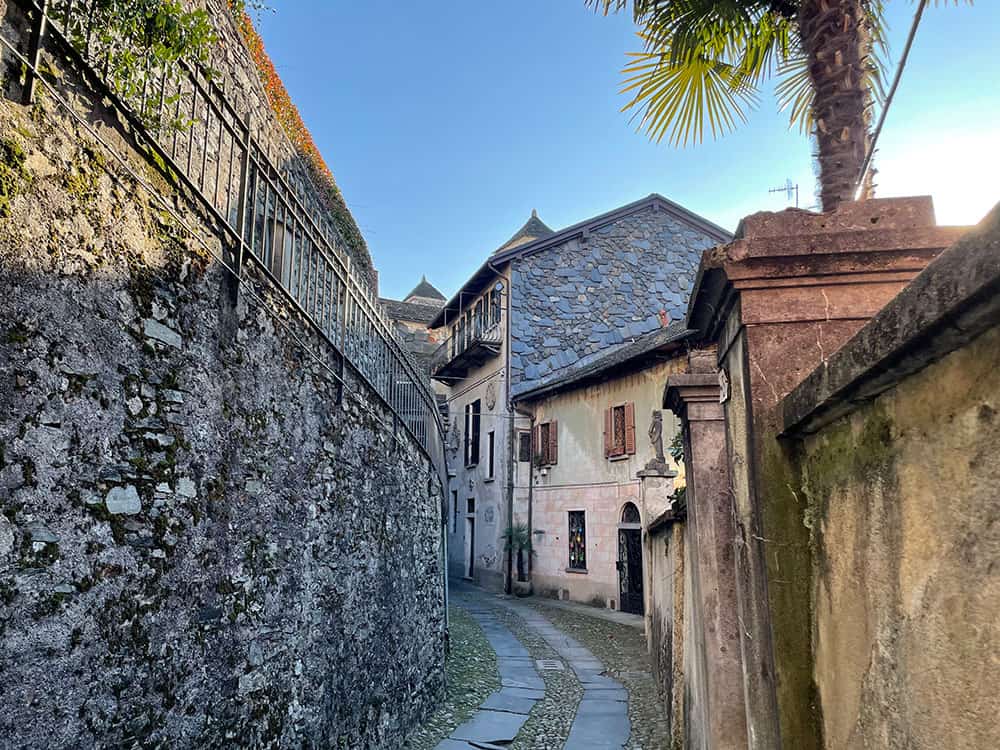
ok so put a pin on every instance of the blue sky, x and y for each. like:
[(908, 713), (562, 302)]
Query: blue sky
[(445, 123)]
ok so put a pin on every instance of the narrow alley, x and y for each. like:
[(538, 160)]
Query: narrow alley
[(543, 674)]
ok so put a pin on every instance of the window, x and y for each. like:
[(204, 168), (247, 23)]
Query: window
[(619, 430), (478, 317), (454, 511), (495, 306), (524, 446), (490, 441), (470, 505), (577, 540), (547, 443), (472, 420)]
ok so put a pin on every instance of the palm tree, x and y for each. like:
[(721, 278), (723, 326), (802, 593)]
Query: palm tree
[(517, 539), (704, 62)]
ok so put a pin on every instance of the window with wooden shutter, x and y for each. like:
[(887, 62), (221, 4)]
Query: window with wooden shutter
[(476, 420), (608, 433), (524, 446), (619, 430), (547, 443), (552, 457), (630, 428), (472, 424)]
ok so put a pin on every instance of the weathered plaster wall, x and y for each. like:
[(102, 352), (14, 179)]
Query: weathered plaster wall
[(667, 628), (585, 479), (575, 300), (903, 503), (198, 546)]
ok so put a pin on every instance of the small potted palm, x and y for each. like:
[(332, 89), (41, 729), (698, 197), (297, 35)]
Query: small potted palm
[(517, 539)]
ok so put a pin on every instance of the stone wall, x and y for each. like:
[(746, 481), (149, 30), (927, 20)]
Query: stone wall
[(574, 301), (199, 546)]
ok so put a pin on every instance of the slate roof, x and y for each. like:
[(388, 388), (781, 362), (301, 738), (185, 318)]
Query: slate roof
[(629, 356), (425, 289), (533, 229), (411, 311), (486, 272)]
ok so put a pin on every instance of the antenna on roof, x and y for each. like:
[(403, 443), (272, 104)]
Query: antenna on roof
[(789, 189)]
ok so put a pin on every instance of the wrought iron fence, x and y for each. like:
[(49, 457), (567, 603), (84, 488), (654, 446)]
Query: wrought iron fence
[(476, 334), (272, 217)]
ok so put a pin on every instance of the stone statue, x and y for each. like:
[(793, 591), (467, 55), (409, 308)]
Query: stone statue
[(656, 466), (656, 436)]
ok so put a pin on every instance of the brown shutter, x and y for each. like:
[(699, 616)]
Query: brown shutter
[(553, 442), (630, 428), (608, 432)]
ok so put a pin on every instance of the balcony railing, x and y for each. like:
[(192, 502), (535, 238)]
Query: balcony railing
[(467, 348)]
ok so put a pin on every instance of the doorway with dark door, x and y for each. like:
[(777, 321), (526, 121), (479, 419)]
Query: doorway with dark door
[(630, 561)]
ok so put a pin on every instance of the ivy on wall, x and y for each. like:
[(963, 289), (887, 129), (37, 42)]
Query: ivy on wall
[(140, 42), (291, 122)]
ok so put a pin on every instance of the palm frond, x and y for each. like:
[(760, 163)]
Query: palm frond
[(702, 65), (678, 99), (795, 92)]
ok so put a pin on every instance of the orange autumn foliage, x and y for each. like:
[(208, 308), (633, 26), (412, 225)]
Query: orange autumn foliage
[(296, 130)]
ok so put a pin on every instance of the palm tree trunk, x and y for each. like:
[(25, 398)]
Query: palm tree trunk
[(837, 43)]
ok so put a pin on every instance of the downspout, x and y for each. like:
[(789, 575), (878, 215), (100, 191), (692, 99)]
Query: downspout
[(508, 582), (531, 485)]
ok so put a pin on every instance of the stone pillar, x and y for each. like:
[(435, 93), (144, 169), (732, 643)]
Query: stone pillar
[(694, 398), (790, 290)]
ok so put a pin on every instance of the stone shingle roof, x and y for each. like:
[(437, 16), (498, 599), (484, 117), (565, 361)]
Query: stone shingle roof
[(410, 311), (426, 290), (627, 356), (533, 229)]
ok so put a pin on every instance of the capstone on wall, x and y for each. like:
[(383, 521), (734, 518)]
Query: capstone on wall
[(199, 546), (574, 301)]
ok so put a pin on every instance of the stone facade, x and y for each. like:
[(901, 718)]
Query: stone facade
[(577, 299), (199, 545)]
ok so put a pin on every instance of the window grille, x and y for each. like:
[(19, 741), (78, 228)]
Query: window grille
[(577, 540)]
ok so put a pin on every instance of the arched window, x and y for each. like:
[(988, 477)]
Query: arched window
[(630, 514)]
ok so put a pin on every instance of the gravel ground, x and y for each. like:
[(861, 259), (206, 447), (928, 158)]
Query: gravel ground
[(470, 676), (548, 723), (622, 649)]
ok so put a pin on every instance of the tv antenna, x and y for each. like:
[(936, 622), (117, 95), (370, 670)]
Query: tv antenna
[(789, 190)]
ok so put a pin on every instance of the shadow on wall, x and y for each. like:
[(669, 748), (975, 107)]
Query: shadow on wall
[(196, 542)]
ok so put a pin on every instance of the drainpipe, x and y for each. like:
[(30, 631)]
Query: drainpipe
[(508, 583), (531, 484)]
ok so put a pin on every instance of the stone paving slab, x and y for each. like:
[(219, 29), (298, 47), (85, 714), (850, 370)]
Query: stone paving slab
[(502, 700), (599, 730), (495, 727), (524, 693), (617, 694), (450, 744), (602, 716), (503, 713)]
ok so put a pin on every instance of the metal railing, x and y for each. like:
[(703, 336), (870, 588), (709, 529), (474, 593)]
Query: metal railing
[(466, 338), (272, 217)]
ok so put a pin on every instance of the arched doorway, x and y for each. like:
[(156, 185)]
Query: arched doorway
[(630, 560)]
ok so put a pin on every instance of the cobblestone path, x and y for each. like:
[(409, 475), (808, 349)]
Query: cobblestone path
[(549, 690)]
